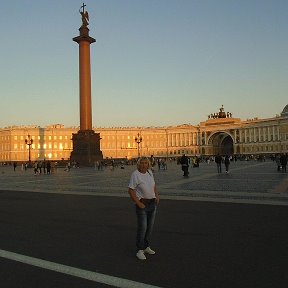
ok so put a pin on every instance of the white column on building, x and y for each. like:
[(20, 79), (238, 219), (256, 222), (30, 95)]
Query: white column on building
[(240, 135), (205, 137), (181, 139), (254, 134), (177, 139), (273, 133), (245, 135)]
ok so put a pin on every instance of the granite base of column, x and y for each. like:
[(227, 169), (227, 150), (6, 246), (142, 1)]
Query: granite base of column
[(86, 148)]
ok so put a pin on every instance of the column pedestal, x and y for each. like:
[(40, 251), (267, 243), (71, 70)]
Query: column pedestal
[(86, 147)]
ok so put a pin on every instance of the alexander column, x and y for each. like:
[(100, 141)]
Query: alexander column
[(86, 143)]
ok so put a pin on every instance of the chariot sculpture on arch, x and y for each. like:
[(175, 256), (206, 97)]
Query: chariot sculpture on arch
[(85, 16)]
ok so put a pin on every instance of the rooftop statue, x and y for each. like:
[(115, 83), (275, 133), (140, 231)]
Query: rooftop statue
[(220, 114)]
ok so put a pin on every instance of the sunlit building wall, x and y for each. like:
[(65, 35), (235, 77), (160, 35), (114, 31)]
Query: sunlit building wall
[(216, 135)]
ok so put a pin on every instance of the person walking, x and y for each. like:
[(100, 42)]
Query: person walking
[(184, 161), (143, 192), (283, 161), (278, 162), (48, 167), (227, 163), (36, 168), (218, 161)]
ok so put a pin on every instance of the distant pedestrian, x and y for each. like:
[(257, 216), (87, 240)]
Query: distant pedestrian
[(278, 163), (44, 166), (159, 163), (35, 168), (143, 192), (14, 166), (218, 161), (39, 167), (227, 163), (153, 162), (283, 161), (48, 167), (184, 161)]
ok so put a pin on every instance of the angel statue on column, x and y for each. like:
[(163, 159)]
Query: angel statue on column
[(85, 17)]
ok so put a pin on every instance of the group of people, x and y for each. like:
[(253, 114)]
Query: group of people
[(45, 165), (219, 160)]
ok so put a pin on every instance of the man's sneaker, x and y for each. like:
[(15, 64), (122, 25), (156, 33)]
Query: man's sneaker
[(148, 250), (140, 255)]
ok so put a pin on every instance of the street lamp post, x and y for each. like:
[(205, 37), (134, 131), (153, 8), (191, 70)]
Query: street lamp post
[(29, 142), (138, 140)]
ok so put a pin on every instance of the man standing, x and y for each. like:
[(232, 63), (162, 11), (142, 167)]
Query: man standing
[(218, 161), (227, 163), (184, 161), (283, 161)]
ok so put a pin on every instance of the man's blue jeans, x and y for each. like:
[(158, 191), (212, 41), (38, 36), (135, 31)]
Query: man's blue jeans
[(145, 221)]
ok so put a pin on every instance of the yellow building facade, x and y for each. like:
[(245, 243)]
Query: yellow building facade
[(221, 133)]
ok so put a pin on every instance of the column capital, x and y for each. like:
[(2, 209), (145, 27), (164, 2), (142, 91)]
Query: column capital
[(84, 36)]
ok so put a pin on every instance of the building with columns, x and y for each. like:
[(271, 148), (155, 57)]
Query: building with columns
[(220, 133)]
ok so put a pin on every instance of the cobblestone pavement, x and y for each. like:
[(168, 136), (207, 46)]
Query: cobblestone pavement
[(248, 182)]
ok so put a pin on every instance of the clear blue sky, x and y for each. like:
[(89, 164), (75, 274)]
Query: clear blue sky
[(155, 62)]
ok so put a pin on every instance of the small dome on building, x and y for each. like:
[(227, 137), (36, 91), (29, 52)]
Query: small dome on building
[(285, 111)]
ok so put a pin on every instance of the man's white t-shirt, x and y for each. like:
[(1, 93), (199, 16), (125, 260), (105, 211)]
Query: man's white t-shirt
[(143, 184)]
